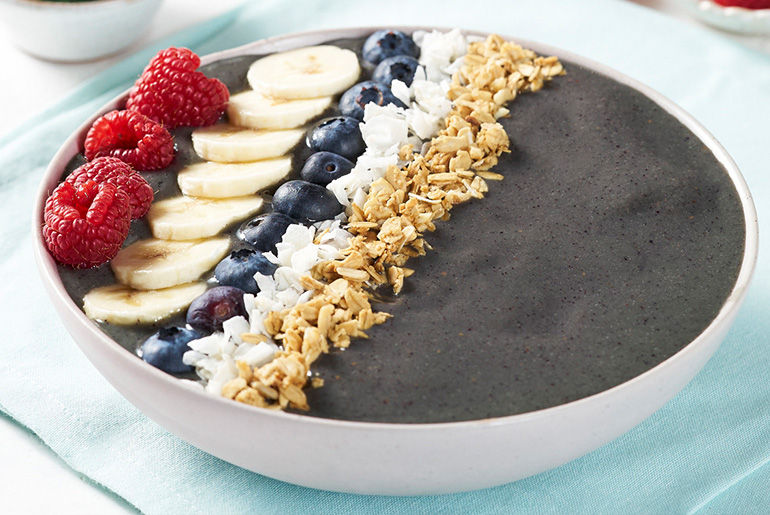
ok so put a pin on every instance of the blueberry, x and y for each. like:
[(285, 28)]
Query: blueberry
[(387, 43), (207, 312), (306, 202), (239, 267), (398, 67), (323, 167), (264, 231), (353, 100), (165, 348), (340, 135)]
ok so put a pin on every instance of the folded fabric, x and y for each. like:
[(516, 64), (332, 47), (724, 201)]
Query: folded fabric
[(706, 450)]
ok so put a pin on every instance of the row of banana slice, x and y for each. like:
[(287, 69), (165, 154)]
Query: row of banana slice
[(160, 276)]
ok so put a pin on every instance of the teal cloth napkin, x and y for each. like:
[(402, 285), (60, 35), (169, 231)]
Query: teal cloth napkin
[(706, 451)]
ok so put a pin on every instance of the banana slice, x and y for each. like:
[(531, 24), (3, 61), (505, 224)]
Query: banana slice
[(121, 305), (225, 143), (191, 218), (258, 111), (154, 264), (308, 72), (224, 180)]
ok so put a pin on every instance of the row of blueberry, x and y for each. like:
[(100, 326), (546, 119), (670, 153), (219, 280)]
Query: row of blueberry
[(336, 143)]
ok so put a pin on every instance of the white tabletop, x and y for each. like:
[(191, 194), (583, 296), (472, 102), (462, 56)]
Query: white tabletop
[(35, 468)]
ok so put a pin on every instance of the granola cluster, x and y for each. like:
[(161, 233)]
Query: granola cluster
[(388, 229)]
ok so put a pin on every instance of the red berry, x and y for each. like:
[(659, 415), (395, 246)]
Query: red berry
[(746, 4), (131, 137), (171, 92), (114, 171), (85, 226)]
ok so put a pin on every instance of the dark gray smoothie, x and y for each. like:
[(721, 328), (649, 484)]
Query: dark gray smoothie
[(612, 242)]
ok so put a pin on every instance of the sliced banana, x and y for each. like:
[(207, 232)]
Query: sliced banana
[(153, 264), (305, 72), (121, 305), (191, 218), (224, 180), (258, 111), (226, 143)]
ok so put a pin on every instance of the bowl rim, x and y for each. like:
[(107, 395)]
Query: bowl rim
[(49, 274), (41, 5)]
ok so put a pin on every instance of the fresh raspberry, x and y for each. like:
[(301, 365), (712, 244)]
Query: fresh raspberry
[(131, 137), (114, 171), (746, 4), (85, 226), (171, 92)]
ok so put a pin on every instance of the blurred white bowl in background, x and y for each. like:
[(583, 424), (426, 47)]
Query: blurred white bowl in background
[(755, 22), (76, 31)]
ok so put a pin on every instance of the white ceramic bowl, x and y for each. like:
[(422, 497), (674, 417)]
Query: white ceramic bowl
[(64, 31), (381, 458), (734, 19)]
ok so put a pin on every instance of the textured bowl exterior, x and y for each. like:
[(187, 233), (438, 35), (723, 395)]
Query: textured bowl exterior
[(395, 459), (73, 32)]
